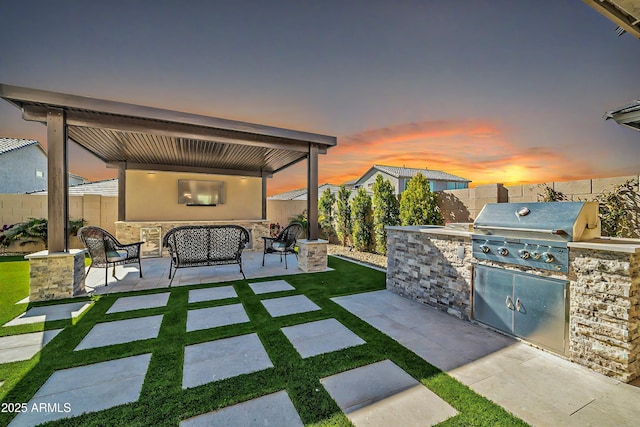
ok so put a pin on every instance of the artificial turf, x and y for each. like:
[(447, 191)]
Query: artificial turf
[(164, 402)]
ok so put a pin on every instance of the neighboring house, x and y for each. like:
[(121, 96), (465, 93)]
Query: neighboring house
[(400, 176), (23, 166)]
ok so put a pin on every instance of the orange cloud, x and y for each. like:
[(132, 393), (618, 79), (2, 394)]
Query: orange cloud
[(482, 151)]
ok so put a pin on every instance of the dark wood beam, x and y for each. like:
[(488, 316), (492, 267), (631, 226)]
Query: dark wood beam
[(312, 192), (187, 169), (122, 193), (57, 181)]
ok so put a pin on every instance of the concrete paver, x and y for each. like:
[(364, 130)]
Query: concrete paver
[(225, 358), (271, 286), (15, 348), (323, 336), (271, 410), (139, 302), (541, 388), (285, 306), (382, 394), (121, 331), (87, 388), (49, 313), (212, 294), (213, 317)]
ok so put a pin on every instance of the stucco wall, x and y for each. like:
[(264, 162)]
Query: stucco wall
[(18, 170), (154, 197), (280, 211)]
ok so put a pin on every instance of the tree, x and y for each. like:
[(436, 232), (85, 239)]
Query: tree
[(386, 211), (418, 204), (343, 215), (362, 218), (326, 214)]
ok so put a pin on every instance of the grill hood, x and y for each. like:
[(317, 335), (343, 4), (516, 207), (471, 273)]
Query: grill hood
[(566, 221)]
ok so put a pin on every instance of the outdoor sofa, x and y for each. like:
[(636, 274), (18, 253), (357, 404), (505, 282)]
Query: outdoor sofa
[(205, 245)]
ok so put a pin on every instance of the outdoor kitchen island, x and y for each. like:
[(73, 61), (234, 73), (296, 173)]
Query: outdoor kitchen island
[(436, 266)]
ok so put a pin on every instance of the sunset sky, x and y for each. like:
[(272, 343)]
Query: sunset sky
[(493, 91)]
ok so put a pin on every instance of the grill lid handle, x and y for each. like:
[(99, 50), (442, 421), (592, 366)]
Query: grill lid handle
[(536, 230)]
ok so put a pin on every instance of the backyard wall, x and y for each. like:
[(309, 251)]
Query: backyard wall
[(94, 209), (154, 197), (464, 205), (280, 211)]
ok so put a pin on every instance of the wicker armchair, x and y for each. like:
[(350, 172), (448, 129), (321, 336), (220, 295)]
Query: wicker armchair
[(105, 250), (284, 243)]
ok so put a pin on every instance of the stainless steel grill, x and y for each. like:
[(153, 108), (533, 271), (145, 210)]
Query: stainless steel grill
[(516, 246)]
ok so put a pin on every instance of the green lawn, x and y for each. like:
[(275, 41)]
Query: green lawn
[(163, 402)]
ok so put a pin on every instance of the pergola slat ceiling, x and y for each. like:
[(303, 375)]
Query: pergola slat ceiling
[(144, 137)]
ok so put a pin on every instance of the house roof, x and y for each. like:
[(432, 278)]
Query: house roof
[(402, 172), (141, 137), (107, 187), (301, 193), (11, 144), (628, 115)]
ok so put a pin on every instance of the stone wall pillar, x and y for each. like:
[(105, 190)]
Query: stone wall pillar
[(56, 275), (604, 323), (312, 255)]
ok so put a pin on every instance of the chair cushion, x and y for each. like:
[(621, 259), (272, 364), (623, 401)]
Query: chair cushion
[(115, 256), (279, 246)]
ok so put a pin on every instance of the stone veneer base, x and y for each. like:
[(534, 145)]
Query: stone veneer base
[(56, 275), (312, 255), (604, 303)]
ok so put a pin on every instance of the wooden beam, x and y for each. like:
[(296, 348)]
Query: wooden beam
[(312, 192), (188, 169), (264, 197), (122, 193), (57, 181)]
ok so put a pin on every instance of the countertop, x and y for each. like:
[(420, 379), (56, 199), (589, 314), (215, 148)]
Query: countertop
[(611, 244)]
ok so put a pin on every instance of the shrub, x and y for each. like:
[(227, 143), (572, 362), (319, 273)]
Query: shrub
[(386, 211), (326, 214), (418, 204), (620, 210), (343, 215), (362, 218), (35, 230)]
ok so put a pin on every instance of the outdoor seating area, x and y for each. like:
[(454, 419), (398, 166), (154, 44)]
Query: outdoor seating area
[(284, 243)]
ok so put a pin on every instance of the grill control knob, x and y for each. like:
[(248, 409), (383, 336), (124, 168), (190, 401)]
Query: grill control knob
[(484, 248), (547, 257), (503, 251), (535, 255), (524, 254)]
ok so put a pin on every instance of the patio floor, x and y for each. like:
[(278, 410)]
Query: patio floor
[(155, 272), (540, 388)]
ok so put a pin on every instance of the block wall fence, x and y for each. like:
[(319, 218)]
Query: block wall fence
[(95, 209)]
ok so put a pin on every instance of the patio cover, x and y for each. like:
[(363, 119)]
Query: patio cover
[(629, 115), (127, 136)]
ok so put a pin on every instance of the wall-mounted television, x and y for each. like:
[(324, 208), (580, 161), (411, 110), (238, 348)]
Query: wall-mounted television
[(192, 192)]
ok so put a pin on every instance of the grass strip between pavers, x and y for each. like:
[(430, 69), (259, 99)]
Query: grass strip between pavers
[(164, 402)]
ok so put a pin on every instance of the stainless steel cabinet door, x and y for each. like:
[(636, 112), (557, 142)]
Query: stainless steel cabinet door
[(493, 297), (540, 311)]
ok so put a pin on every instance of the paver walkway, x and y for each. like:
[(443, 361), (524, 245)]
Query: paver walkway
[(49, 313), (89, 388), (15, 348), (271, 410), (382, 394), (541, 388)]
